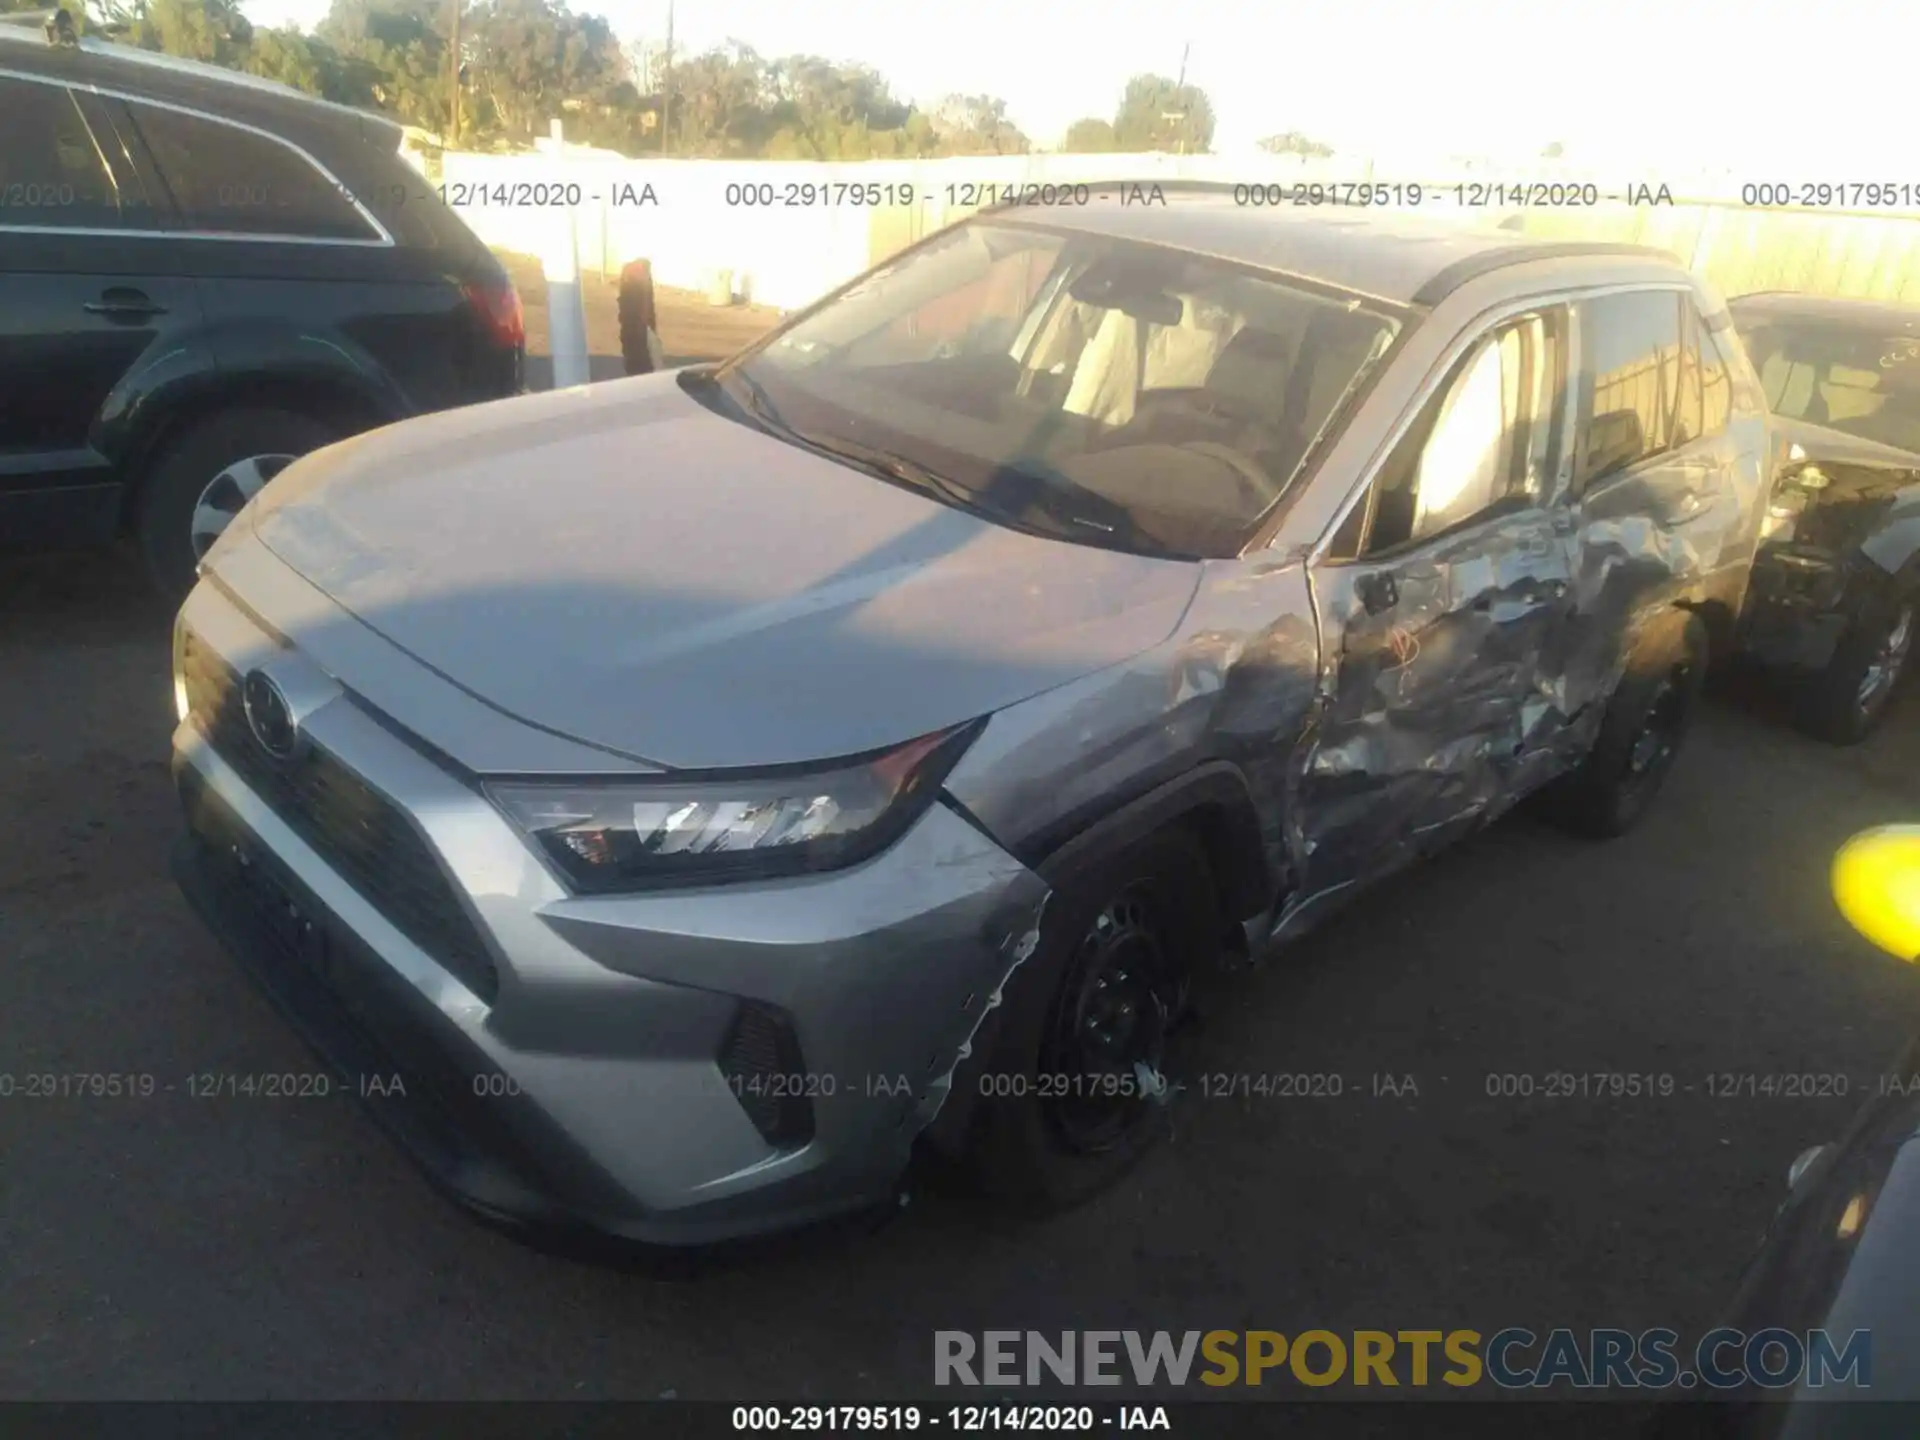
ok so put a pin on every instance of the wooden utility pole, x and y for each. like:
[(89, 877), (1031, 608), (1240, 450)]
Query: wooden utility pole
[(666, 84), (1182, 110), (453, 136), (1179, 89)]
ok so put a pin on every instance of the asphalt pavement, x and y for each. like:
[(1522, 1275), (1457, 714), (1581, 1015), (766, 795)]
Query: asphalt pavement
[(195, 1246)]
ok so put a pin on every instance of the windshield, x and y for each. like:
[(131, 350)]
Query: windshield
[(1859, 381), (1100, 391)]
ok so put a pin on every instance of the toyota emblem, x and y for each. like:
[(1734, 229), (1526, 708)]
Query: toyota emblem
[(269, 716)]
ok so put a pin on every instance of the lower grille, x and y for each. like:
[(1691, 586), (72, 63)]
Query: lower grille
[(361, 834), (760, 1059)]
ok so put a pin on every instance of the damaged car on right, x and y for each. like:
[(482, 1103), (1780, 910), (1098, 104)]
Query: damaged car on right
[(1836, 586)]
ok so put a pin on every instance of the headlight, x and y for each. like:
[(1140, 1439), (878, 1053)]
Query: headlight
[(686, 829)]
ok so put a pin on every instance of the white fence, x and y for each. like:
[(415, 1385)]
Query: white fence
[(789, 231)]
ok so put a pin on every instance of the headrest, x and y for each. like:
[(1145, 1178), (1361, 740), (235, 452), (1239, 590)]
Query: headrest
[(1250, 377)]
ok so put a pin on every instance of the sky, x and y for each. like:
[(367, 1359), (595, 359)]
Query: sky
[(1812, 93)]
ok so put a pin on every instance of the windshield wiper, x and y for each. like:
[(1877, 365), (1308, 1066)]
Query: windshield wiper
[(1074, 510), (757, 403), (899, 468)]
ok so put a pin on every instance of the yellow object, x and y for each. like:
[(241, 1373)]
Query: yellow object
[(1876, 884)]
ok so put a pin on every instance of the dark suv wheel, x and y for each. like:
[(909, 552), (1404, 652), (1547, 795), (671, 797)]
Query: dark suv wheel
[(1847, 700), (201, 479), (1075, 1089)]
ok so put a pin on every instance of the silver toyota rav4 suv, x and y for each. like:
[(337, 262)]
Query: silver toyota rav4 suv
[(672, 800)]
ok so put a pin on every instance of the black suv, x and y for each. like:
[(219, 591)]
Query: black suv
[(1836, 586), (204, 275)]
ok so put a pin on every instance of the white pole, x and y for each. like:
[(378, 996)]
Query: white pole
[(566, 315)]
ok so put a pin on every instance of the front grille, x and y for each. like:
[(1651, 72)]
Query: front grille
[(360, 834)]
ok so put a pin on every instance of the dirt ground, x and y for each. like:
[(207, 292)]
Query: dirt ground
[(690, 327)]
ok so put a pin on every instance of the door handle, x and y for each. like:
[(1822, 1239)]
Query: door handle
[(124, 305), (1378, 592)]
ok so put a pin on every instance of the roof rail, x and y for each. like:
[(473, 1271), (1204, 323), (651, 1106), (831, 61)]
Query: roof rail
[(1482, 262)]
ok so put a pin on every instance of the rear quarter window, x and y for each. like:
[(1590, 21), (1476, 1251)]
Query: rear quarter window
[(405, 201), (228, 179)]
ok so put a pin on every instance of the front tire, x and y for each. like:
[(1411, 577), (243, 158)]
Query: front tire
[(1074, 1091), (1846, 702), (1646, 723), (202, 479)]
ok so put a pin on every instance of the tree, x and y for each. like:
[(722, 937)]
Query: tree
[(1089, 136), (309, 63), (1158, 114), (977, 125), (826, 111), (525, 62), (1553, 151), (214, 31), (534, 60), (399, 44), (723, 102), (1294, 143)]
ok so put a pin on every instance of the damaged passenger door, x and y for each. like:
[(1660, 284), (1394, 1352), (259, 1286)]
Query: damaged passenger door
[(1437, 598), (1656, 493)]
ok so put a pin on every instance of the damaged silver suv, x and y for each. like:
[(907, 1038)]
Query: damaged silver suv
[(684, 795)]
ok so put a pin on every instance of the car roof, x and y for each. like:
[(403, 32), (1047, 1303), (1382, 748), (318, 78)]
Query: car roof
[(1387, 255), (1833, 309), (97, 64)]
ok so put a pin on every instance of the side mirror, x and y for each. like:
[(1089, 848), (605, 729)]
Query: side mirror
[(1876, 884), (1131, 295), (1805, 475)]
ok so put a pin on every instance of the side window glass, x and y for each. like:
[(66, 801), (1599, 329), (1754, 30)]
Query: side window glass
[(1689, 402), (1631, 372), (51, 173), (1482, 440), (232, 181), (1716, 385), (1464, 465)]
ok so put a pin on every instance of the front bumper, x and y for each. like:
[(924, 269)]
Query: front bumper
[(586, 1074), (1797, 608)]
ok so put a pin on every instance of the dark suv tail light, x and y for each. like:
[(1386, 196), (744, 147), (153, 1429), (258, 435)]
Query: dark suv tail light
[(497, 304)]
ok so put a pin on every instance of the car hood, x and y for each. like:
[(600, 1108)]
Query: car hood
[(1839, 448), (621, 565)]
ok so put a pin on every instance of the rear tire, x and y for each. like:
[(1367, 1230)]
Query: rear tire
[(208, 470), (1641, 735), (1846, 702), (1062, 1111)]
